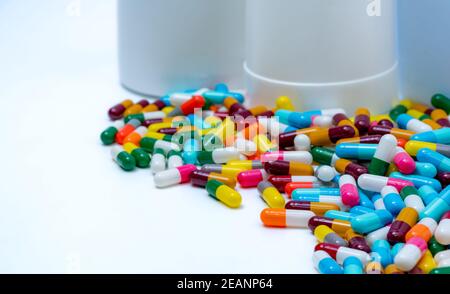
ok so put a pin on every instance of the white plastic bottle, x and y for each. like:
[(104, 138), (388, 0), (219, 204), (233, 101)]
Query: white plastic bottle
[(180, 44), (322, 53)]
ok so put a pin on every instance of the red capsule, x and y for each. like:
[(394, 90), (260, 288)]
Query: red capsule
[(290, 187), (189, 106)]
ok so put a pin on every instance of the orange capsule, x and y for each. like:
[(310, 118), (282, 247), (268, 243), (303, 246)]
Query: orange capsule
[(257, 110), (136, 108), (283, 218), (392, 269), (424, 229), (136, 136)]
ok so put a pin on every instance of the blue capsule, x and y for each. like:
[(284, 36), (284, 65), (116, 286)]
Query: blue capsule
[(341, 215), (356, 151), (396, 249), (441, 162), (383, 249), (425, 169), (295, 119), (440, 136), (358, 210), (372, 221), (325, 264), (223, 88), (418, 181), (353, 266), (215, 97), (378, 202), (316, 192), (364, 200), (392, 200), (438, 206), (190, 153), (428, 194)]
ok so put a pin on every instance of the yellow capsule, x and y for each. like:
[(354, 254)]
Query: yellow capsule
[(407, 103), (325, 234), (225, 194), (213, 121), (438, 114), (154, 135), (434, 125), (129, 147), (380, 117), (419, 107), (245, 164), (222, 135), (285, 103), (257, 110), (413, 147), (392, 269), (270, 194), (427, 262), (231, 171), (158, 126), (168, 109), (263, 144)]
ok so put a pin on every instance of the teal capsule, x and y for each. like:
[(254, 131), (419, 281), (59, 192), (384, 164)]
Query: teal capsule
[(383, 249), (396, 249), (441, 162), (217, 98), (425, 169), (341, 215), (438, 206), (428, 194), (353, 266), (358, 210), (440, 136), (356, 151), (315, 192), (372, 221), (364, 200), (418, 181)]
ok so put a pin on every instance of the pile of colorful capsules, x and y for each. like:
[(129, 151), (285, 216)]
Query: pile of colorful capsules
[(373, 189)]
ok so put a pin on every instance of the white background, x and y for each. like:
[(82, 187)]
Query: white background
[(65, 207)]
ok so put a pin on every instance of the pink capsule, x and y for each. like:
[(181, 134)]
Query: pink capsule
[(349, 191), (251, 178), (403, 161)]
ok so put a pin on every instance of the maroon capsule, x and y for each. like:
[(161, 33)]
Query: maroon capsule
[(444, 122), (342, 132), (267, 114), (168, 131), (298, 205), (370, 139), (159, 104), (143, 103), (397, 232), (116, 112), (331, 249), (362, 123), (386, 123), (355, 170), (337, 118), (359, 242), (277, 167), (444, 178), (379, 130), (199, 178), (149, 122), (316, 221), (279, 182), (286, 140), (221, 114)]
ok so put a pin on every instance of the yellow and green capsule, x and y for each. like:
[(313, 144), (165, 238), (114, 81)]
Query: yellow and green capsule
[(223, 193), (141, 157)]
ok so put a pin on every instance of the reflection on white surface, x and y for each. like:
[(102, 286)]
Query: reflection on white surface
[(65, 207)]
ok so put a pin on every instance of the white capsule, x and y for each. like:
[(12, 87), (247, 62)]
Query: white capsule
[(380, 234), (158, 163), (223, 155), (440, 256), (386, 148), (273, 126), (115, 151), (372, 183), (442, 233), (166, 146), (304, 179), (332, 111), (334, 200), (414, 201), (408, 257), (417, 126), (174, 161), (167, 178), (444, 263), (344, 252), (325, 173), (298, 218), (302, 143), (378, 202), (297, 156), (154, 115), (322, 121), (244, 146)]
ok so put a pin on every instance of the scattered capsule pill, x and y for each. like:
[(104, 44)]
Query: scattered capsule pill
[(348, 191), (108, 136), (407, 122), (375, 183), (338, 226), (370, 222), (327, 137), (341, 253), (288, 168), (141, 157), (410, 196), (123, 158), (284, 218), (280, 182), (324, 264), (158, 161), (405, 220), (441, 162), (356, 241), (383, 249), (424, 229), (356, 151), (345, 166), (224, 193), (383, 155), (174, 176), (392, 200), (200, 178), (297, 156), (410, 254), (318, 208), (326, 235), (116, 112), (270, 194), (442, 232)]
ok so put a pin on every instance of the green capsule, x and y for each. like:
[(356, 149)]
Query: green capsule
[(142, 157), (123, 158), (435, 247), (378, 167), (440, 271), (140, 117), (205, 157), (323, 155), (442, 102), (396, 111), (108, 136)]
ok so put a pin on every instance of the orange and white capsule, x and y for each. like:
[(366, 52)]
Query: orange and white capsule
[(286, 218)]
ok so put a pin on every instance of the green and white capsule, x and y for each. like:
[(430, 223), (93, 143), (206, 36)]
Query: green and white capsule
[(174, 159), (151, 144), (141, 156), (383, 155), (108, 136), (220, 155), (145, 116), (158, 163), (124, 159)]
